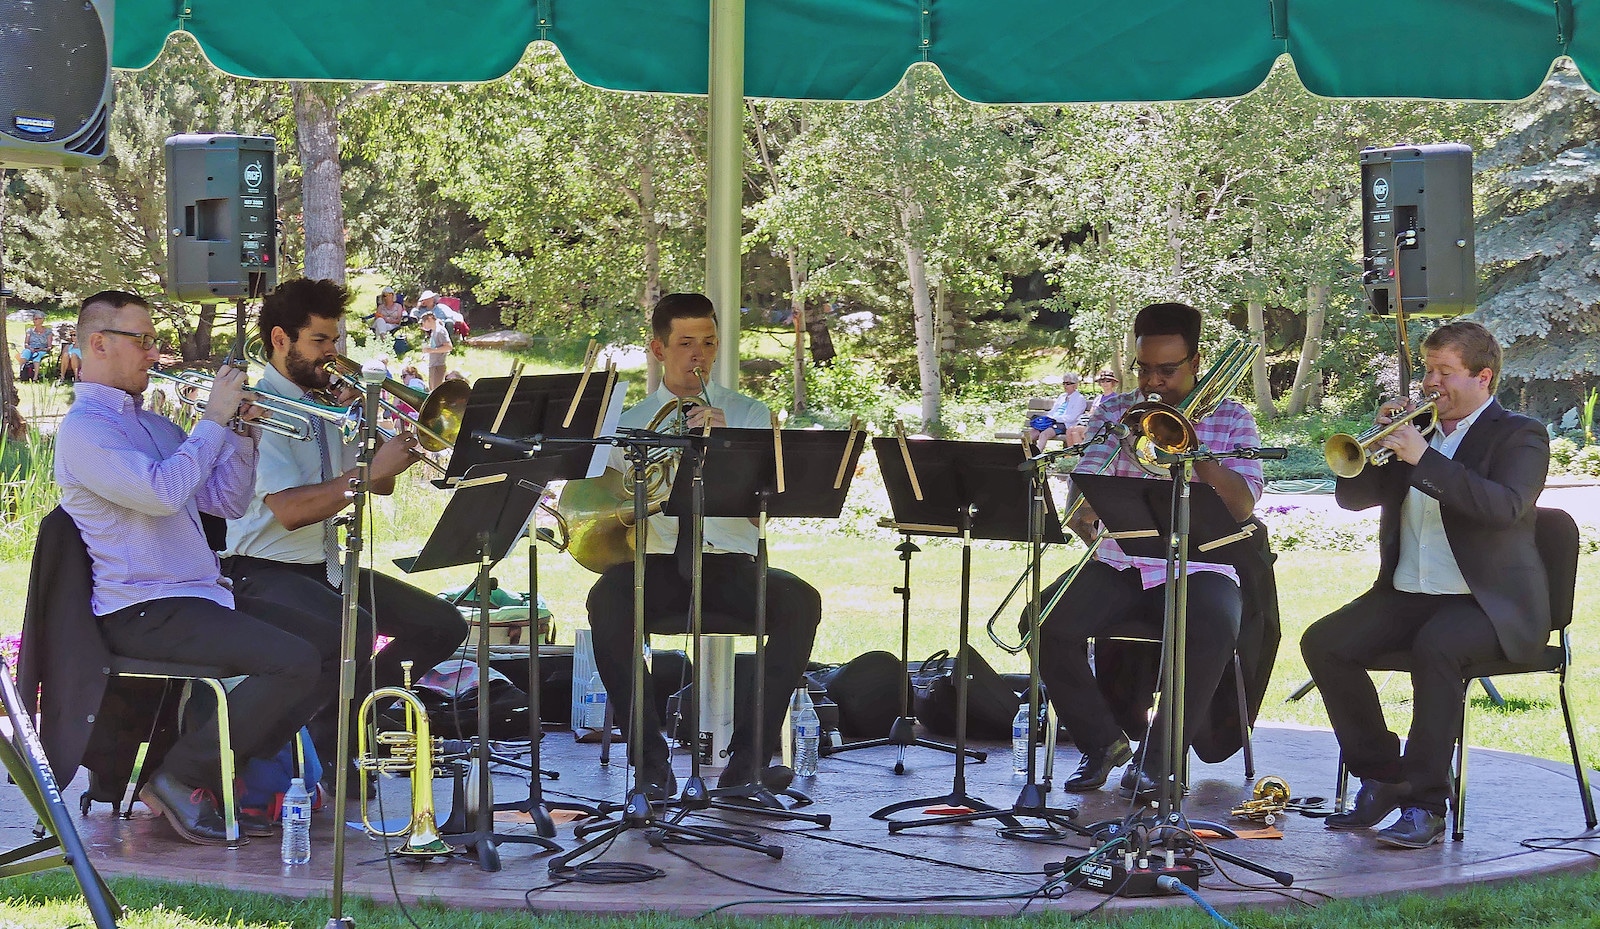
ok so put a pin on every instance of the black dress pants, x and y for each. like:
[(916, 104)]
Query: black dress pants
[(1443, 633), (793, 611), (289, 660), (423, 628), (1102, 597)]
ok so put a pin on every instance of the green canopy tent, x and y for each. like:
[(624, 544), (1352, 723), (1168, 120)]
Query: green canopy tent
[(990, 51)]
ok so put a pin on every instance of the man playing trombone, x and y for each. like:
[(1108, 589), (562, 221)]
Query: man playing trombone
[(1460, 581), (284, 548), (684, 330), (135, 486), (1114, 587)]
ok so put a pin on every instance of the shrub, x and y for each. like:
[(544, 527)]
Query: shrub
[(1587, 461), (1562, 451)]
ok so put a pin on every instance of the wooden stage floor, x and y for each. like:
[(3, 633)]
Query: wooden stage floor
[(857, 867)]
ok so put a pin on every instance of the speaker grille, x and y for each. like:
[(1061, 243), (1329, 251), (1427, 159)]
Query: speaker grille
[(54, 67)]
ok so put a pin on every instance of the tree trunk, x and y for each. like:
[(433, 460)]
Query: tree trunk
[(652, 260), (922, 312), (1175, 244), (797, 306), (1305, 373), (322, 186), (196, 344), (1256, 311)]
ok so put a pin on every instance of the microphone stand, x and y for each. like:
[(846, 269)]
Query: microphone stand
[(350, 594), (1165, 826)]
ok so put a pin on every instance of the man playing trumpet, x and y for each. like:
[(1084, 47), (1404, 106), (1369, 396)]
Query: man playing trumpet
[(284, 548), (684, 330), (135, 486), (1460, 581)]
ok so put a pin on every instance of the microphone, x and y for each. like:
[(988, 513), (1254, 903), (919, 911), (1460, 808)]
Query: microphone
[(1275, 454), (491, 439)]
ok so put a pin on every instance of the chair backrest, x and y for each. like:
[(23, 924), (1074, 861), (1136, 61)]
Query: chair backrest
[(1556, 535)]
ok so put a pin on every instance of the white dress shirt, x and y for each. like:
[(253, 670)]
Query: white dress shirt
[(286, 463), (723, 534), (1427, 565)]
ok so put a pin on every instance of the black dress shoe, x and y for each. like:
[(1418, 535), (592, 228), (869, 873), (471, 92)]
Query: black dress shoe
[(192, 812), (255, 823), (739, 773), (1416, 828), (660, 783), (1137, 785), (1097, 766), (1374, 801)]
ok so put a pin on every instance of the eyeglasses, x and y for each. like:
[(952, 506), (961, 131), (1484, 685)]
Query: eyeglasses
[(1164, 370), (146, 340)]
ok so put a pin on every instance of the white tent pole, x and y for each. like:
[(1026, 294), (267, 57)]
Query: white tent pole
[(724, 185)]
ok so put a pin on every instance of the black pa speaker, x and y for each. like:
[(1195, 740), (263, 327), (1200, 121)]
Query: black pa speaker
[(1416, 230), (222, 211), (55, 82)]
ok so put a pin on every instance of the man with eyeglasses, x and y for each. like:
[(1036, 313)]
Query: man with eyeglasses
[(135, 485), (1115, 587)]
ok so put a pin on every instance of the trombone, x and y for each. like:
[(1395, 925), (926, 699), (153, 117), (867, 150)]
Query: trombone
[(288, 417), (1151, 426), (438, 414), (1348, 455)]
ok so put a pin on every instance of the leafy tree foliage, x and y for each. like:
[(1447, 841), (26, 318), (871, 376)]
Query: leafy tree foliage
[(1538, 238)]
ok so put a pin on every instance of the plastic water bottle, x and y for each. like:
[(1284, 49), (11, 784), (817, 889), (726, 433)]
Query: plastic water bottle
[(297, 824), (1021, 745), (807, 732), (594, 703)]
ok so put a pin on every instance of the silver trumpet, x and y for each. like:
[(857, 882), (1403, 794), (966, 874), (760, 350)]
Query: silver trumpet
[(285, 416)]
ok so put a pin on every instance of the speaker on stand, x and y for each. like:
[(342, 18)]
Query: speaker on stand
[(55, 82)]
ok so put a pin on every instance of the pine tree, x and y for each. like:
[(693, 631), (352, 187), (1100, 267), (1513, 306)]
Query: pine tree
[(1537, 244)]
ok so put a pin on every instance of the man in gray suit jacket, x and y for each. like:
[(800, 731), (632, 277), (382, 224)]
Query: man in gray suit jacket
[(1460, 582)]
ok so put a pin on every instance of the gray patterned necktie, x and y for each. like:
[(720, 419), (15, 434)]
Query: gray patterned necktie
[(331, 554)]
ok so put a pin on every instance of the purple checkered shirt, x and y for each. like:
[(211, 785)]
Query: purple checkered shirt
[(1230, 426), (135, 485)]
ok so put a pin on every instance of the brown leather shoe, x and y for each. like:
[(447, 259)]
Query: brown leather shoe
[(191, 811)]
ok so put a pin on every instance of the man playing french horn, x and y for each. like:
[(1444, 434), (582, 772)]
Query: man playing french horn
[(684, 330), (1115, 588), (1460, 582)]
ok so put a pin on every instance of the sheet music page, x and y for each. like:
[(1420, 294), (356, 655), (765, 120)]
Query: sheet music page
[(602, 453)]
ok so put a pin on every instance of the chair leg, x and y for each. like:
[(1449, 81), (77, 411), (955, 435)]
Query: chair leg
[(1050, 726), (1244, 720), (1341, 785), (230, 803), (1458, 805), (1578, 767)]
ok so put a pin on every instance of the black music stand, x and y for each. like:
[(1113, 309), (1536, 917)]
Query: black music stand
[(483, 520), (1179, 521), (903, 731), (547, 405), (982, 490), (763, 474), (639, 811)]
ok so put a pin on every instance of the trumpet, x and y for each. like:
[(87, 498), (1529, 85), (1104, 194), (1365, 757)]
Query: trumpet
[(1348, 455), (410, 751), (285, 416)]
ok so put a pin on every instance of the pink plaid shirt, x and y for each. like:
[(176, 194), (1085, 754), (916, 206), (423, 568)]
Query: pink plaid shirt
[(1230, 426)]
